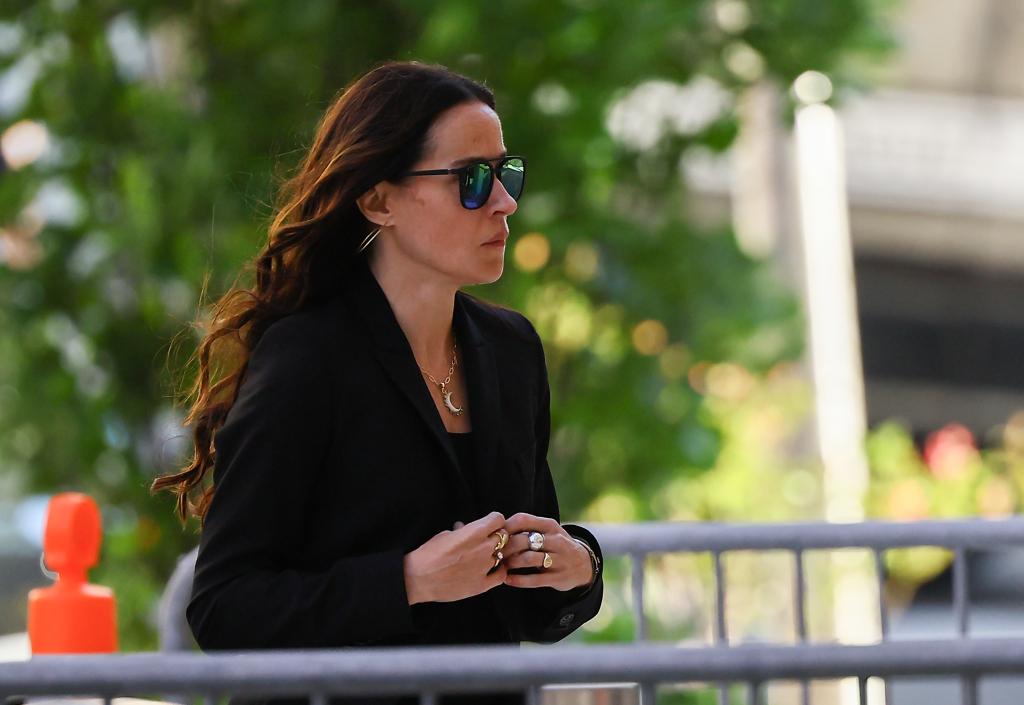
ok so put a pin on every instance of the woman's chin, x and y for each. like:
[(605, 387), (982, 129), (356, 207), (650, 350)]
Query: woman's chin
[(498, 271), (489, 275)]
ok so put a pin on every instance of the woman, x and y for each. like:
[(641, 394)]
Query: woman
[(379, 440)]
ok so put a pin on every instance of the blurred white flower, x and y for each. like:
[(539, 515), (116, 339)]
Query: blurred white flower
[(641, 117)]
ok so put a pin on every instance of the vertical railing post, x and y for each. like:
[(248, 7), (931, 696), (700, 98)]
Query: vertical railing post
[(961, 591), (968, 690), (754, 693), (721, 635), (882, 576), (883, 606), (961, 610), (637, 561), (800, 614)]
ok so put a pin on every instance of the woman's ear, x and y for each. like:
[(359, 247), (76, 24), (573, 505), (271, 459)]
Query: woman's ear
[(374, 205)]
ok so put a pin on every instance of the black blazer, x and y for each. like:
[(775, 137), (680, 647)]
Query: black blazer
[(333, 463)]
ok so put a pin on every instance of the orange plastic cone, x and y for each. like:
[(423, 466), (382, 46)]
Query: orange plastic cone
[(72, 616)]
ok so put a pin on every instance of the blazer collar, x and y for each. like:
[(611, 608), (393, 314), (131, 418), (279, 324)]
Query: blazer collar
[(392, 349)]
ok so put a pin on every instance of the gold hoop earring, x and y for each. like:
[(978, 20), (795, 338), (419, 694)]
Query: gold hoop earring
[(368, 239)]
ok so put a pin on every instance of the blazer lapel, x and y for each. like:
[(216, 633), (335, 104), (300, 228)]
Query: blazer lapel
[(481, 375), (392, 348), (481, 372)]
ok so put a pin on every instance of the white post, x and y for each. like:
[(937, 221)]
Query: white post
[(834, 352)]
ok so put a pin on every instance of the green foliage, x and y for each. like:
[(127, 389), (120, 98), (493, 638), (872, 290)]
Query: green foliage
[(951, 478), (172, 172)]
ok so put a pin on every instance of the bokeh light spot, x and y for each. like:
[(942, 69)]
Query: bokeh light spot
[(531, 252), (650, 337)]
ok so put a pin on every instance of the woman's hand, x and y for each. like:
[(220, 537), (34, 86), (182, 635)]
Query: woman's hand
[(455, 564), (571, 565)]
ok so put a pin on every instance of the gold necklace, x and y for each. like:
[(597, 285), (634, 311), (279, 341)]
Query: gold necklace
[(444, 392)]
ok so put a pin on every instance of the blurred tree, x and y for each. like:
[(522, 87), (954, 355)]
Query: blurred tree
[(172, 121)]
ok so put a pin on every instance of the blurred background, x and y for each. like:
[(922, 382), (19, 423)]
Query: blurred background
[(772, 248)]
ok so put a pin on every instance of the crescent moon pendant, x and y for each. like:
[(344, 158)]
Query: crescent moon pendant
[(451, 407)]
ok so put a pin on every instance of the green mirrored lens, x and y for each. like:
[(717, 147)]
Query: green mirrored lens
[(476, 185), (512, 175)]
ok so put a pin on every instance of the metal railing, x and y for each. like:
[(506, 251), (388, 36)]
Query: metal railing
[(642, 539), (432, 670), (427, 672), (638, 541)]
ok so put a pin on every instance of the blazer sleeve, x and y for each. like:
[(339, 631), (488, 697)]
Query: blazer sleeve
[(248, 592), (549, 615)]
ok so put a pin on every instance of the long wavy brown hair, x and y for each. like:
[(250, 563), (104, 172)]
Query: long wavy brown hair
[(375, 128)]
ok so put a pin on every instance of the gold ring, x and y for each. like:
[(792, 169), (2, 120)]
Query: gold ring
[(548, 560), (502, 539), (497, 560)]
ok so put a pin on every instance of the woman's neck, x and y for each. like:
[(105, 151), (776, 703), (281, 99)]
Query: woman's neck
[(424, 307)]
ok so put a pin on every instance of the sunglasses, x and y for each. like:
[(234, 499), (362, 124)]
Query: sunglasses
[(477, 179)]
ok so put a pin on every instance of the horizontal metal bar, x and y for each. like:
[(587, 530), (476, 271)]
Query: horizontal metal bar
[(494, 668), (675, 536)]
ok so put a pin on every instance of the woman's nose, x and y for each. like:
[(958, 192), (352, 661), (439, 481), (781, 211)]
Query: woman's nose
[(501, 201)]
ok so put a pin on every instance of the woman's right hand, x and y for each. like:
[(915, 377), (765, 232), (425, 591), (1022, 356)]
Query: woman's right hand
[(454, 564)]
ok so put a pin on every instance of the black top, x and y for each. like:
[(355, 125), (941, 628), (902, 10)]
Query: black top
[(463, 443)]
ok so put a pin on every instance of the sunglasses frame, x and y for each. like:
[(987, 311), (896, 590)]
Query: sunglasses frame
[(462, 169)]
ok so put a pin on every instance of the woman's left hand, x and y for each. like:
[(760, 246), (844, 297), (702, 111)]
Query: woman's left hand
[(570, 565)]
